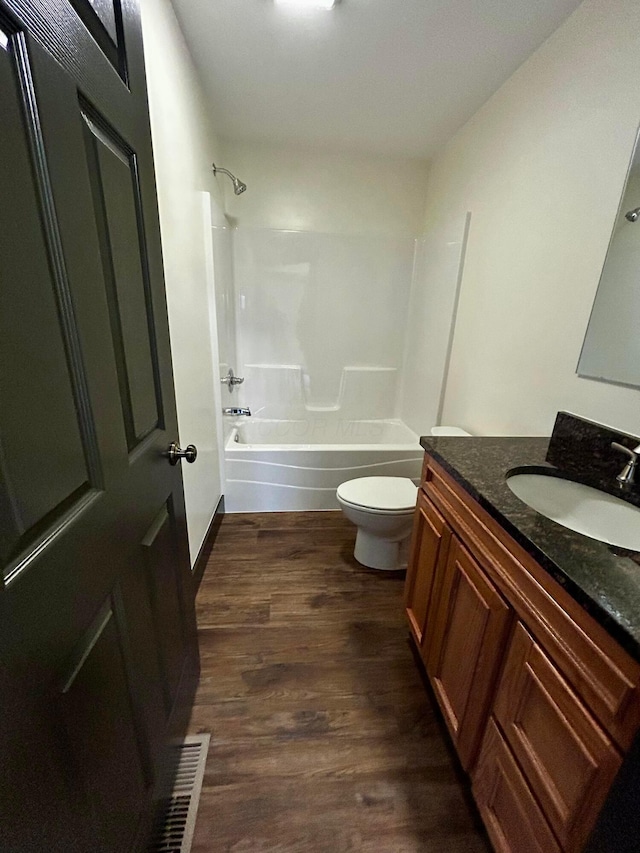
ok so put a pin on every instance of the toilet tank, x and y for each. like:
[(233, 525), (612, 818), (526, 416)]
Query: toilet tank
[(448, 430)]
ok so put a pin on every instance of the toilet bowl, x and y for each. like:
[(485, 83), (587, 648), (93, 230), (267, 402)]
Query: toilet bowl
[(382, 510)]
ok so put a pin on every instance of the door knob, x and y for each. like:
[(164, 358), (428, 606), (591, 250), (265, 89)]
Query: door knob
[(174, 453)]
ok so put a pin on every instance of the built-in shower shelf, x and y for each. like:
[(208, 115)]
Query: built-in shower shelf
[(285, 391)]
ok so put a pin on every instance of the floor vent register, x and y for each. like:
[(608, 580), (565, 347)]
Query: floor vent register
[(174, 831)]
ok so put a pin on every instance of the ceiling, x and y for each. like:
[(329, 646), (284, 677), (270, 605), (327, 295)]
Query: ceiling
[(394, 77)]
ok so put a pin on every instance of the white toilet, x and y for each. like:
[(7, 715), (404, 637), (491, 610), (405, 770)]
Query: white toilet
[(382, 510)]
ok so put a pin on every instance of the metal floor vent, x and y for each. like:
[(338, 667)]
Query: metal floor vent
[(174, 831)]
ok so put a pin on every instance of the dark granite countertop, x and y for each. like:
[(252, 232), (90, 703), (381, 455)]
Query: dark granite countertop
[(605, 580)]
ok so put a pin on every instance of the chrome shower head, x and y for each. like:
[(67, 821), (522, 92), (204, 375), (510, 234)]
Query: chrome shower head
[(238, 186), (633, 215)]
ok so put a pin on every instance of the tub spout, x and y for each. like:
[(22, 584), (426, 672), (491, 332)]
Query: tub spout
[(237, 410)]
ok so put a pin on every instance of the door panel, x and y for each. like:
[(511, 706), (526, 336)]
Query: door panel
[(44, 453), (101, 732), (472, 625), (166, 600), (97, 623), (429, 545), (121, 235), (510, 812), (103, 19), (569, 761)]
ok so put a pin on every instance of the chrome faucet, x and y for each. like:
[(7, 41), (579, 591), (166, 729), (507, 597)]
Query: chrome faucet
[(627, 476), (237, 410)]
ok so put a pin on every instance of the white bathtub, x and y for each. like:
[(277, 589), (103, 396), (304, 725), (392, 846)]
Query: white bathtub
[(276, 466)]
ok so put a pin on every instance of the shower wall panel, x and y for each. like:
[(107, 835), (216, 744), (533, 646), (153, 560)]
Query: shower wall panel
[(222, 237), (320, 321)]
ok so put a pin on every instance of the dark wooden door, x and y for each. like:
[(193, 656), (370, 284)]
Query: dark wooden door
[(97, 628)]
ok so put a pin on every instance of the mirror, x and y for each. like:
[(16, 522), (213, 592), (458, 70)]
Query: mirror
[(611, 348)]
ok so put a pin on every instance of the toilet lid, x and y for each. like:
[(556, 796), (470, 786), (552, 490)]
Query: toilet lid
[(391, 493)]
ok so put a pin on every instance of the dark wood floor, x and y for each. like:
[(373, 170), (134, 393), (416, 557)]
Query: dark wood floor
[(323, 738)]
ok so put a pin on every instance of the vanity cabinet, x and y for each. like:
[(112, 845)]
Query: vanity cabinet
[(540, 701)]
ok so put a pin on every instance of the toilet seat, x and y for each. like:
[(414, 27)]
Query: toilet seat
[(383, 495)]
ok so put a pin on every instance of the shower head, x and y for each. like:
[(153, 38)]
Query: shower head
[(633, 215), (238, 186)]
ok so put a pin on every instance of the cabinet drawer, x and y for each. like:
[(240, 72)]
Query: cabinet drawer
[(601, 672), (568, 760), (510, 812)]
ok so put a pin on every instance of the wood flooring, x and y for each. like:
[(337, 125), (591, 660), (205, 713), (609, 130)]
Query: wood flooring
[(323, 738)]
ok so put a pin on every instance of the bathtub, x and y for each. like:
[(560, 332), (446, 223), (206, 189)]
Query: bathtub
[(287, 465)]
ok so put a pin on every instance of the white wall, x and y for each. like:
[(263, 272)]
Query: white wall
[(184, 145), (541, 167), (306, 189)]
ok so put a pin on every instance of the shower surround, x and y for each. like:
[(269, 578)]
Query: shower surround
[(319, 332), (320, 303)]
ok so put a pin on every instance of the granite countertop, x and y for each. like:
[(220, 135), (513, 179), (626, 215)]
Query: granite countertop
[(604, 579)]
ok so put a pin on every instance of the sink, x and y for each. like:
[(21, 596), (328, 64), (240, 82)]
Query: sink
[(578, 507)]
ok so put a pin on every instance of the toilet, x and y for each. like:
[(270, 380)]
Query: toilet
[(382, 510)]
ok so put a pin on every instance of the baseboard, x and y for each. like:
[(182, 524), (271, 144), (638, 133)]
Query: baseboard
[(207, 544)]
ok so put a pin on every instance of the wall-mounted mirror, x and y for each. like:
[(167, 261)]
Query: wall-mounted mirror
[(611, 348)]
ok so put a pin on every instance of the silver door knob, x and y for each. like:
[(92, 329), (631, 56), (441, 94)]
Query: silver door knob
[(174, 453)]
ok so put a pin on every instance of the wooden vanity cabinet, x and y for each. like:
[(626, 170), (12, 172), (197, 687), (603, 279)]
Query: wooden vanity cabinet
[(540, 701)]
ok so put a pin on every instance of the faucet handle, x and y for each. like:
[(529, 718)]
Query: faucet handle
[(632, 454), (231, 379)]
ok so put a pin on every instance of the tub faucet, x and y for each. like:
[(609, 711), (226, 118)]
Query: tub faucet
[(627, 477), (237, 410)]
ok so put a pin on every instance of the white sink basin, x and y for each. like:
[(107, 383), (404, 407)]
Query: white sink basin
[(581, 508)]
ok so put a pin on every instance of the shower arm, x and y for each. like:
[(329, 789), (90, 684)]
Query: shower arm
[(217, 169)]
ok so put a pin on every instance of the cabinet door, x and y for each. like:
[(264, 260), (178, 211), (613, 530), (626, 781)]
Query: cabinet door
[(429, 547), (471, 626), (567, 758), (509, 810)]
